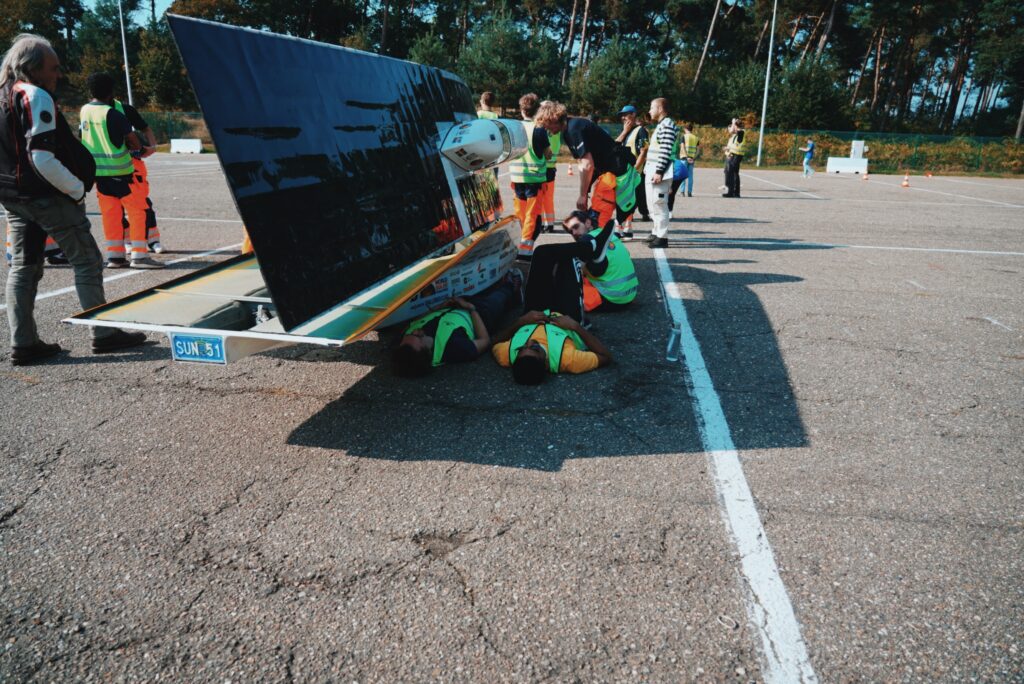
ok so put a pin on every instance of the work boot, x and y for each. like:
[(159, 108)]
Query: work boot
[(117, 263), (23, 356), (146, 262), (601, 241), (119, 340)]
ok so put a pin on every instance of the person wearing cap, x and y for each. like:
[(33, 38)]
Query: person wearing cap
[(634, 137), (605, 166)]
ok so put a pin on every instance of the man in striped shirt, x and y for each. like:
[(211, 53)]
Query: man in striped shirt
[(662, 153)]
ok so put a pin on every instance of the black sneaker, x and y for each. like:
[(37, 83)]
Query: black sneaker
[(601, 242), (657, 243), (645, 217), (117, 263), (57, 259), (689, 194), (625, 235), (119, 340), (23, 356)]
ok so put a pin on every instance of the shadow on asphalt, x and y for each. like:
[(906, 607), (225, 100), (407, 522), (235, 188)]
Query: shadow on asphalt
[(639, 406)]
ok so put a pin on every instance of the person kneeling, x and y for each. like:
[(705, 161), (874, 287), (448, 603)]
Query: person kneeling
[(458, 332), (610, 281), (542, 342)]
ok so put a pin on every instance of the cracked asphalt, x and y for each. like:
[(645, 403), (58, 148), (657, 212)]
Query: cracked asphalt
[(304, 515)]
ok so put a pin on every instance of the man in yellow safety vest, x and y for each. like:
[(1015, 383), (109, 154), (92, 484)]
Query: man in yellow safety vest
[(734, 151), (529, 173)]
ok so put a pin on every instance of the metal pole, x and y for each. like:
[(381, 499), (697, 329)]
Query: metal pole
[(124, 48), (764, 104)]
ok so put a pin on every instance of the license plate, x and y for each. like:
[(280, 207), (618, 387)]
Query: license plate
[(198, 348)]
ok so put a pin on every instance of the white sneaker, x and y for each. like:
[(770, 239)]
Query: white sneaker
[(156, 248)]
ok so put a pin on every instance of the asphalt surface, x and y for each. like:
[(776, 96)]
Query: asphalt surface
[(304, 515)]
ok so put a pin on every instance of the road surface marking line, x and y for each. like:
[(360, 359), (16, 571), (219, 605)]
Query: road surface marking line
[(780, 185), (798, 245), (129, 273), (768, 606), (995, 322), (940, 192), (917, 284)]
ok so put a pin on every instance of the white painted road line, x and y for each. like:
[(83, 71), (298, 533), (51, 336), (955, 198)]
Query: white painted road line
[(937, 192), (780, 185), (130, 273), (995, 322), (798, 245), (768, 607), (917, 284)]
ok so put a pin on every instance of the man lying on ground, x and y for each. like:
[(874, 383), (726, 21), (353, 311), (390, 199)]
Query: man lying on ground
[(542, 342), (610, 280)]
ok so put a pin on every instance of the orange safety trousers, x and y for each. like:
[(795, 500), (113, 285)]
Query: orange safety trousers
[(142, 180), (603, 198), (547, 204), (591, 297), (527, 210), (132, 205)]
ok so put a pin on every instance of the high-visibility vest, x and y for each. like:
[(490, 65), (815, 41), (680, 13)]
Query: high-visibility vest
[(631, 141), (691, 141), (737, 148), (619, 283), (556, 342), (529, 168), (625, 188), (451, 320), (556, 145), (485, 114), (655, 147), (110, 160)]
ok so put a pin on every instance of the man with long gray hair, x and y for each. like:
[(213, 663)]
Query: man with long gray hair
[(45, 173)]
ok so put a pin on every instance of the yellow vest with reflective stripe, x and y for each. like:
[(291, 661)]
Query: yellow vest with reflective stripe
[(631, 141), (737, 148), (110, 160), (451, 320), (556, 342), (556, 146), (619, 283), (691, 141), (529, 168)]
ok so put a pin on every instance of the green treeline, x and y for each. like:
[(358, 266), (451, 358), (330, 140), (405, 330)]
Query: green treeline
[(944, 66)]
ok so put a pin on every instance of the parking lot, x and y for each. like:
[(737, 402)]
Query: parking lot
[(827, 484)]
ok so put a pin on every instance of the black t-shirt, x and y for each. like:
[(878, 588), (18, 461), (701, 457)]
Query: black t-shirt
[(540, 141), (460, 347), (118, 127), (134, 118), (583, 136)]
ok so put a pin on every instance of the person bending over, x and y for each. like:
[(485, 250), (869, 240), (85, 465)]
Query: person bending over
[(457, 332)]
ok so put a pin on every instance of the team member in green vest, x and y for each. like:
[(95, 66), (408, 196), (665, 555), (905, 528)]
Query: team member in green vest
[(529, 173), (543, 342), (486, 110), (108, 136), (734, 151), (547, 191), (611, 281), (634, 137), (458, 332)]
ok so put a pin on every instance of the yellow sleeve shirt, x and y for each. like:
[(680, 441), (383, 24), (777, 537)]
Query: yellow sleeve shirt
[(573, 360)]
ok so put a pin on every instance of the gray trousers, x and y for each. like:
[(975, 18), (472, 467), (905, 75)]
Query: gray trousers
[(63, 220)]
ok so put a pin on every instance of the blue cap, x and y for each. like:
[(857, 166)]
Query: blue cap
[(628, 109)]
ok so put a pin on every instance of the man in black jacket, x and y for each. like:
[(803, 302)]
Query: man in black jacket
[(45, 174)]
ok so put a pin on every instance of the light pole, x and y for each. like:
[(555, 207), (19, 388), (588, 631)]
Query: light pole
[(124, 48), (767, 78)]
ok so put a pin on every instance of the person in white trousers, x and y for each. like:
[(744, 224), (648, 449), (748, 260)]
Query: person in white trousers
[(664, 150)]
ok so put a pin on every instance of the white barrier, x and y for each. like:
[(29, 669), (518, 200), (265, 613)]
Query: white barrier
[(186, 145), (846, 165)]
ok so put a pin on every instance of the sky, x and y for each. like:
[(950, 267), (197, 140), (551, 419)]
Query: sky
[(143, 13)]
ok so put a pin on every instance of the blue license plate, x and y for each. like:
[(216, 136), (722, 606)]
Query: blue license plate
[(199, 348)]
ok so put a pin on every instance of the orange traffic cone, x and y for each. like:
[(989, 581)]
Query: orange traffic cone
[(570, 169), (906, 181), (865, 176), (928, 175)]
